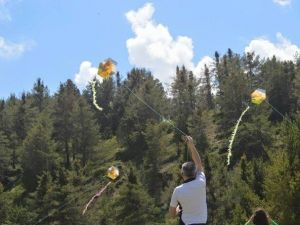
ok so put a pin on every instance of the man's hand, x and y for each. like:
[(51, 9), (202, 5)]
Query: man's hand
[(193, 151), (178, 210), (189, 141)]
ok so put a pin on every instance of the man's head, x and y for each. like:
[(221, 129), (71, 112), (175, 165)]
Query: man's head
[(260, 217), (188, 170)]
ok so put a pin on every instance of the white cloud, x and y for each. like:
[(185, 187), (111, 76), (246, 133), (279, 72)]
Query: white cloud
[(283, 49), (206, 60), (154, 48), (86, 73), (283, 2), (9, 50)]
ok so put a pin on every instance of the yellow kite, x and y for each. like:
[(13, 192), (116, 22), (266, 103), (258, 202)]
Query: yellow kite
[(113, 172), (258, 96), (107, 68)]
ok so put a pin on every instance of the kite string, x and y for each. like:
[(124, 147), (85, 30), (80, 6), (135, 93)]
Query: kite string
[(276, 110), (153, 110), (234, 134)]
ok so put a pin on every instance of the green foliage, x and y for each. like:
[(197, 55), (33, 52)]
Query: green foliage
[(66, 102), (55, 149), (133, 205), (136, 114), (85, 135), (38, 153), (282, 184), (40, 95)]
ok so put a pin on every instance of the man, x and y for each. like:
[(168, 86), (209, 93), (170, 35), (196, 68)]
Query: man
[(189, 199)]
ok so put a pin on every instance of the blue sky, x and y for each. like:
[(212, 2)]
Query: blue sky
[(51, 39)]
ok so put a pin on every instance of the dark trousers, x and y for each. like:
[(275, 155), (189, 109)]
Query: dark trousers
[(193, 224), (182, 223)]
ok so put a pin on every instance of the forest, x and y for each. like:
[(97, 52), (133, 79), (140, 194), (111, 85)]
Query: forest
[(55, 148)]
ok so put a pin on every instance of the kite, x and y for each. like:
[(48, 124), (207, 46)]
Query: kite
[(257, 97), (106, 69), (113, 174)]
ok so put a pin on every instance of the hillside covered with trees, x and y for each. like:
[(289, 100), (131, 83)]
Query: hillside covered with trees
[(55, 149)]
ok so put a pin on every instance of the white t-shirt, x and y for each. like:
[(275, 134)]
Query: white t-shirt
[(192, 198)]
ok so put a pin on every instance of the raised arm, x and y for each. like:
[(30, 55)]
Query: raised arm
[(194, 153)]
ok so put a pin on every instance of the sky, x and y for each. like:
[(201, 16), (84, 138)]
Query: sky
[(56, 40)]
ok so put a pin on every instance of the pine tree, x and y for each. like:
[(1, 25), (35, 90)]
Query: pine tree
[(208, 89), (183, 103), (56, 204), (20, 126), (152, 160), (40, 94), (39, 153), (4, 158), (233, 91), (85, 131), (66, 102), (145, 93), (282, 183), (252, 69), (105, 95), (296, 84), (278, 78), (133, 205)]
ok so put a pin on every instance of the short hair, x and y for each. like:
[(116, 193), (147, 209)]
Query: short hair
[(260, 217), (188, 169)]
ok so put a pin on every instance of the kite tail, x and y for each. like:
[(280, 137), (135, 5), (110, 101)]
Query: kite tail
[(98, 194), (234, 133), (94, 96)]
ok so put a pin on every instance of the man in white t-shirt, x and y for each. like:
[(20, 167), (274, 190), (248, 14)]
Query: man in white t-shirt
[(189, 199)]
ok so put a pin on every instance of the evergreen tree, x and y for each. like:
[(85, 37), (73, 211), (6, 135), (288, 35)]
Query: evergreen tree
[(233, 91), (105, 95), (145, 93), (183, 103), (39, 153), (252, 69), (20, 126), (208, 89), (152, 161), (133, 205), (85, 131), (279, 78), (40, 94), (66, 102), (4, 158)]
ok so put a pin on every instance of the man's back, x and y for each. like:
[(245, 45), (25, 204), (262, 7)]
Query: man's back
[(191, 195)]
